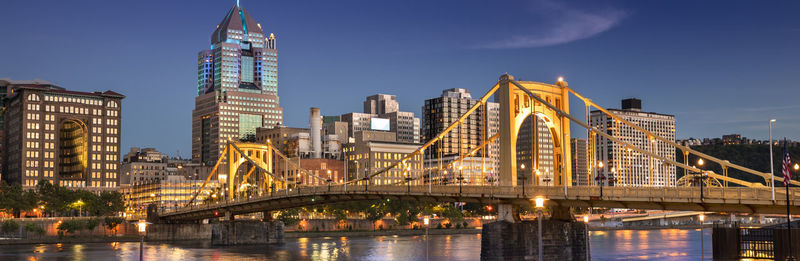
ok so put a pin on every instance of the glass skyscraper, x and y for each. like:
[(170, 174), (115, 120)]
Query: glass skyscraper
[(237, 86)]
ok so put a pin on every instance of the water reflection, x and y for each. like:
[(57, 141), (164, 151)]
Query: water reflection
[(667, 244)]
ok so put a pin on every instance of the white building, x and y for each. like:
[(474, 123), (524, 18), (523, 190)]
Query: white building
[(626, 166)]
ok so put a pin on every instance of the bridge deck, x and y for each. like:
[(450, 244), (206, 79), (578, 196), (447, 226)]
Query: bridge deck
[(737, 199)]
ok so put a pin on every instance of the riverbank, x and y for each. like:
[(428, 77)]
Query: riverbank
[(398, 232)]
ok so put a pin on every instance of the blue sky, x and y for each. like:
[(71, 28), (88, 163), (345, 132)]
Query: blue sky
[(720, 66)]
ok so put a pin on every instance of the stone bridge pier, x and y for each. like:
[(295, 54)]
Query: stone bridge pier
[(223, 233), (511, 239)]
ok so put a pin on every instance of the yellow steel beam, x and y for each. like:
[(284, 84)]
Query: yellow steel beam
[(294, 164), (210, 174), (723, 163), (483, 100), (631, 146)]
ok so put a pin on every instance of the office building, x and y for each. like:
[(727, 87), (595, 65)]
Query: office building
[(237, 87), (381, 104), (440, 112), (624, 166), (373, 151), (580, 162), (69, 138), (168, 194)]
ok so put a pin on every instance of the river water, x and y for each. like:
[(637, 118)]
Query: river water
[(664, 244)]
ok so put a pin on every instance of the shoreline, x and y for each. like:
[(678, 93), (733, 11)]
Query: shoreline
[(307, 234)]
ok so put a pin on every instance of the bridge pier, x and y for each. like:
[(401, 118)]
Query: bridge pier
[(509, 240), (246, 233)]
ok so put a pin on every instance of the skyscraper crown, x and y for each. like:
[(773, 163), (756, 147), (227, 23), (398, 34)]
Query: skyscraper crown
[(237, 25)]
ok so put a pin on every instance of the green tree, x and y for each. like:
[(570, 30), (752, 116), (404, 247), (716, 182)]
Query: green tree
[(112, 222), (71, 226), (9, 226), (289, 217), (14, 199), (32, 227)]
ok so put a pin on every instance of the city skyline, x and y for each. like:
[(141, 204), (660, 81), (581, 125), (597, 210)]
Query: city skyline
[(606, 52)]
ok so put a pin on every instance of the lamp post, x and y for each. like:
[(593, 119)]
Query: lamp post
[(80, 207), (522, 166), (702, 179), (427, 223), (702, 246), (586, 221), (771, 167), (142, 230), (539, 205), (600, 176), (461, 178)]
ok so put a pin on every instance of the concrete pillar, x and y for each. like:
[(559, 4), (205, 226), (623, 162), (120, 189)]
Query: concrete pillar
[(508, 212), (247, 232), (561, 240)]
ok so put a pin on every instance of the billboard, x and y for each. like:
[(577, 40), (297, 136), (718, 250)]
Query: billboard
[(380, 124)]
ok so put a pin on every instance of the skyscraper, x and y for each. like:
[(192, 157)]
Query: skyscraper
[(623, 165), (237, 86)]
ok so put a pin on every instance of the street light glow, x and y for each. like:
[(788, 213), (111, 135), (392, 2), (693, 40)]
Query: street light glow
[(142, 226), (600, 164), (702, 217), (796, 166), (700, 162), (773, 120), (586, 219), (539, 202)]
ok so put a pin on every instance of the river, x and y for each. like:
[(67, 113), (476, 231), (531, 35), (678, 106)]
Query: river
[(664, 244)]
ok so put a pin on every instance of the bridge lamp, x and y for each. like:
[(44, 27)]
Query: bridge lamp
[(142, 225), (600, 164), (700, 162), (586, 219), (522, 166), (539, 202), (560, 79), (796, 166), (702, 217)]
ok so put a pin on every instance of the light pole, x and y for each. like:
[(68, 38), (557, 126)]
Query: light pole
[(702, 178), (80, 208), (427, 223), (600, 177), (461, 178), (522, 166), (702, 246), (142, 230), (586, 221), (539, 206), (771, 168)]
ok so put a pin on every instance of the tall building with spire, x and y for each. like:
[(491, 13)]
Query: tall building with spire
[(237, 86)]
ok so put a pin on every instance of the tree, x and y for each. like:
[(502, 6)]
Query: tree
[(14, 199), (112, 222), (9, 226), (289, 217)]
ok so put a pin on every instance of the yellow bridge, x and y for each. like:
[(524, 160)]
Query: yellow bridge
[(261, 187)]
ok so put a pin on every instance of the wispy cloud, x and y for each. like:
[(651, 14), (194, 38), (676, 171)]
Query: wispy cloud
[(563, 25)]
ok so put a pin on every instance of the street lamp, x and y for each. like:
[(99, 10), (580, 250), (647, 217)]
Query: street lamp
[(600, 176), (539, 205), (702, 178), (702, 218), (771, 167), (142, 230), (522, 167), (80, 207), (427, 223), (461, 178)]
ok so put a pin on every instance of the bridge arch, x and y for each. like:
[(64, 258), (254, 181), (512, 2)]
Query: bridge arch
[(515, 106)]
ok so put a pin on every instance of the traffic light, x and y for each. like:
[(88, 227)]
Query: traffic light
[(489, 208)]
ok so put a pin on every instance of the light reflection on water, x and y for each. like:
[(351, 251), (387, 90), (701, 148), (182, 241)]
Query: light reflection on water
[(666, 244)]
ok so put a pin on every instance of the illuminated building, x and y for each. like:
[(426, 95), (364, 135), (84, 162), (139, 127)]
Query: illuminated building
[(169, 194), (373, 151), (625, 166), (440, 112), (66, 137), (237, 86), (580, 162)]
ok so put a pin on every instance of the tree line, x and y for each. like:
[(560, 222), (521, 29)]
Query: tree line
[(54, 200)]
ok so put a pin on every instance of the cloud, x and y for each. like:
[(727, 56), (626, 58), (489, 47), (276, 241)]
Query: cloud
[(563, 25)]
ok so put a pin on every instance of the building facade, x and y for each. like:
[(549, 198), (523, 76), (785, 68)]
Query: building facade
[(580, 162), (69, 138), (439, 113), (373, 151), (381, 104), (169, 194), (237, 86), (625, 167)]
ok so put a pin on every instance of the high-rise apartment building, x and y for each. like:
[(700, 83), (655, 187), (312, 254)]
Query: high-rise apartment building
[(580, 162), (439, 113), (237, 86), (68, 138), (381, 113), (625, 167)]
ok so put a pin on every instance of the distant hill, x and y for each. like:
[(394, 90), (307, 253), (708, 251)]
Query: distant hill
[(755, 157)]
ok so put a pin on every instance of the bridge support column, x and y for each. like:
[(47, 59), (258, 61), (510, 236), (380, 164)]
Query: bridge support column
[(510, 239), (247, 233), (508, 212)]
